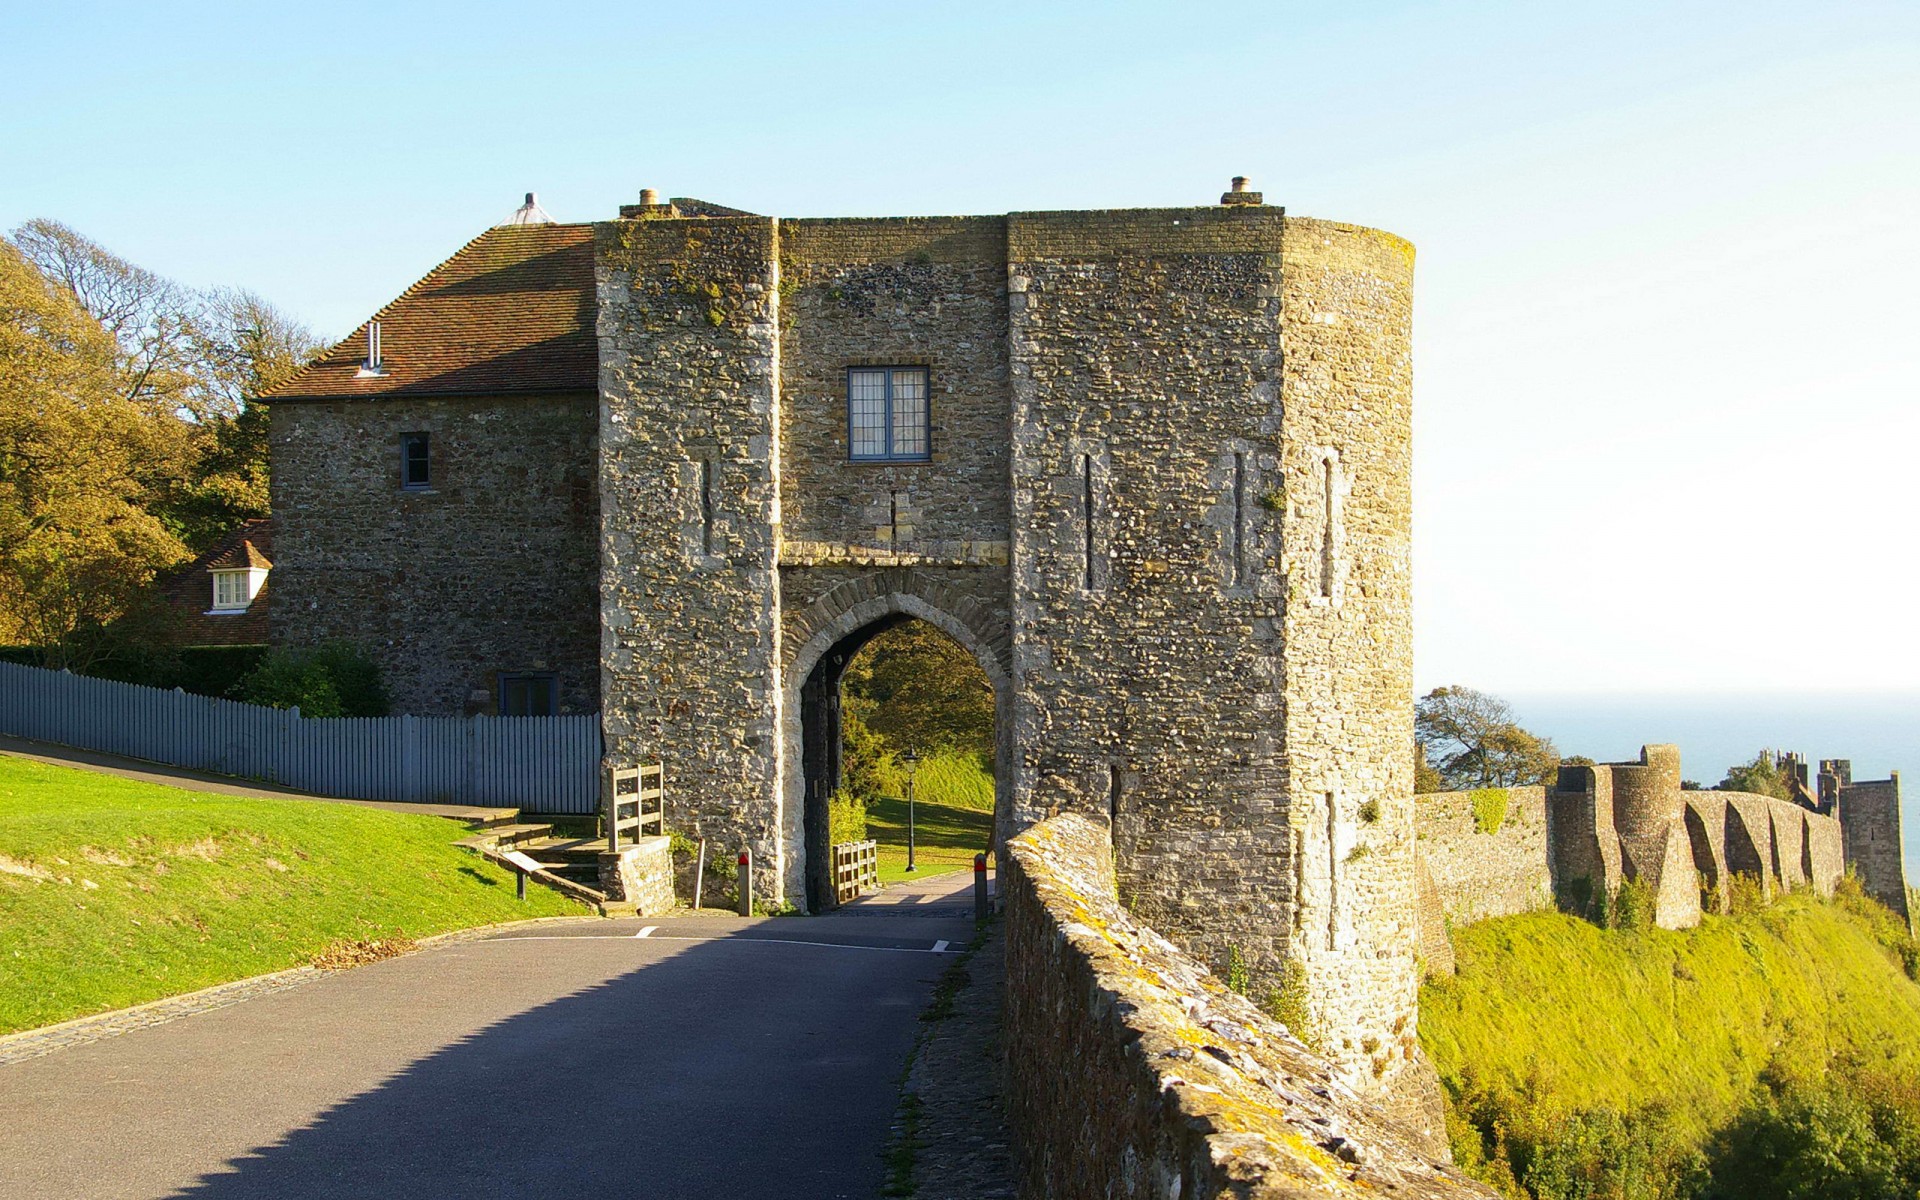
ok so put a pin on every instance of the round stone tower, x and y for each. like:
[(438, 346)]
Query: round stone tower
[(1647, 803), (1347, 651)]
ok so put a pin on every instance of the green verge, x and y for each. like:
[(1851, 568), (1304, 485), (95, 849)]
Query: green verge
[(115, 892), (946, 836), (1551, 1019)]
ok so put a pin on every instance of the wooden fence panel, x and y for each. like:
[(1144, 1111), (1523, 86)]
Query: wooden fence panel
[(540, 764)]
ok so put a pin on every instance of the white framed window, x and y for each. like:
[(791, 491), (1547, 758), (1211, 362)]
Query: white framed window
[(887, 414), (234, 590)]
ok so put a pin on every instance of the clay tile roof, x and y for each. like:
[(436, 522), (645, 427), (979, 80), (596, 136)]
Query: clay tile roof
[(189, 592), (513, 311), (239, 557)]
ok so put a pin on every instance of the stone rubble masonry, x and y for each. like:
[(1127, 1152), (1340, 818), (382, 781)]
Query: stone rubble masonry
[(1476, 874), (689, 315), (1168, 510), (1210, 590), (493, 569), (1618, 821), (1869, 813), (1133, 1073), (640, 875)]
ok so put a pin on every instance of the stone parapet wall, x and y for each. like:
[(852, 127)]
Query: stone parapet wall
[(1870, 813), (1133, 1072), (640, 875), (1477, 874), (1779, 843)]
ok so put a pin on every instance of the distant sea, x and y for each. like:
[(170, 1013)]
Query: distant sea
[(1880, 732)]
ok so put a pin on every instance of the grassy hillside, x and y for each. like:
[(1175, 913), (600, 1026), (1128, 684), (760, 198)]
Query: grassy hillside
[(1556, 1029), (114, 892), (947, 836)]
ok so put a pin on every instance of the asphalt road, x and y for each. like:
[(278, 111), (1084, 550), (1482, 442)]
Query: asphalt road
[(715, 1057)]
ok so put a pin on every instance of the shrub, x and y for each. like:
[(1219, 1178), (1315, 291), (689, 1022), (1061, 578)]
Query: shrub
[(1745, 894), (1489, 808), (331, 681), (1287, 1001), (1237, 975), (1838, 1138), (846, 818), (1633, 906)]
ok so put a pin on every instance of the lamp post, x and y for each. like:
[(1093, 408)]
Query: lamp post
[(911, 760)]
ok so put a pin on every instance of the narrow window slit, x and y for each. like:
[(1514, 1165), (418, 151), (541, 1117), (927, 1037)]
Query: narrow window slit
[(1328, 500), (1239, 518), (1333, 878), (893, 521), (1113, 795), (706, 506), (1086, 509)]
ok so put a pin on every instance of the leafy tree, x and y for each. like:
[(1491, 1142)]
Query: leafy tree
[(149, 318), (1473, 741), (920, 690), (243, 347), (1425, 778), (197, 355), (1763, 776), (84, 464)]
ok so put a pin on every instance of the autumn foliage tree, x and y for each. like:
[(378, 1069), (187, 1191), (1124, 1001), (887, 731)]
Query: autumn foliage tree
[(127, 440), (85, 464)]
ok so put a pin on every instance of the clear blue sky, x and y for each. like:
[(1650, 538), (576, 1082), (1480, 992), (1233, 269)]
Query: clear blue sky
[(1666, 328)]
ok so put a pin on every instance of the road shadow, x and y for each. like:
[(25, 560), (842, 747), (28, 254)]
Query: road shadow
[(730, 1068)]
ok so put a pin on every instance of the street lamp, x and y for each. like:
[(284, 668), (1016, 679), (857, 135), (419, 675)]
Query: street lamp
[(911, 760)]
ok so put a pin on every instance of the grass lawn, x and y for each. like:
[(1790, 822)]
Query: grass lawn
[(947, 838), (114, 892)]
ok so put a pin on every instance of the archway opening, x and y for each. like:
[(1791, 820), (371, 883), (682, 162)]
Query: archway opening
[(896, 700)]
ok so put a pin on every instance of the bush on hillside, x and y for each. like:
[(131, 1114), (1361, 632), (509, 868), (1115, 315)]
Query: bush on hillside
[(1633, 906), (1845, 1137), (331, 681), (846, 818)]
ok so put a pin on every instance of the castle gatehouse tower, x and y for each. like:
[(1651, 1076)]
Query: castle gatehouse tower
[(1151, 467)]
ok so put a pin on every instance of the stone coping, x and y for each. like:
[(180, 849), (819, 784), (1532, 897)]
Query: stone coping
[(1134, 1072)]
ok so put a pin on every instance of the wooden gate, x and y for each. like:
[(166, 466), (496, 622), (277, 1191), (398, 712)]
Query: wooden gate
[(856, 869), (636, 803)]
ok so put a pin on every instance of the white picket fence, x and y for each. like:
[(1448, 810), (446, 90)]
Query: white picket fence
[(540, 764)]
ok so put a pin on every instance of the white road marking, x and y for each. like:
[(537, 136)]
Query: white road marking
[(732, 941), (646, 931), (939, 946)]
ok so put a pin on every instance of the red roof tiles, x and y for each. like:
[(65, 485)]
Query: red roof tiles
[(513, 311), (189, 591)]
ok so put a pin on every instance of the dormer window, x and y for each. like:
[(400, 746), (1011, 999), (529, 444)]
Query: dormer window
[(234, 590)]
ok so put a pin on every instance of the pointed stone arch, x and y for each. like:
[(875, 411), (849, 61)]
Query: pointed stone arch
[(846, 616)]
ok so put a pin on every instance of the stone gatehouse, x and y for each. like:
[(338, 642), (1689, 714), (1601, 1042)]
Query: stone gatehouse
[(1151, 467)]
